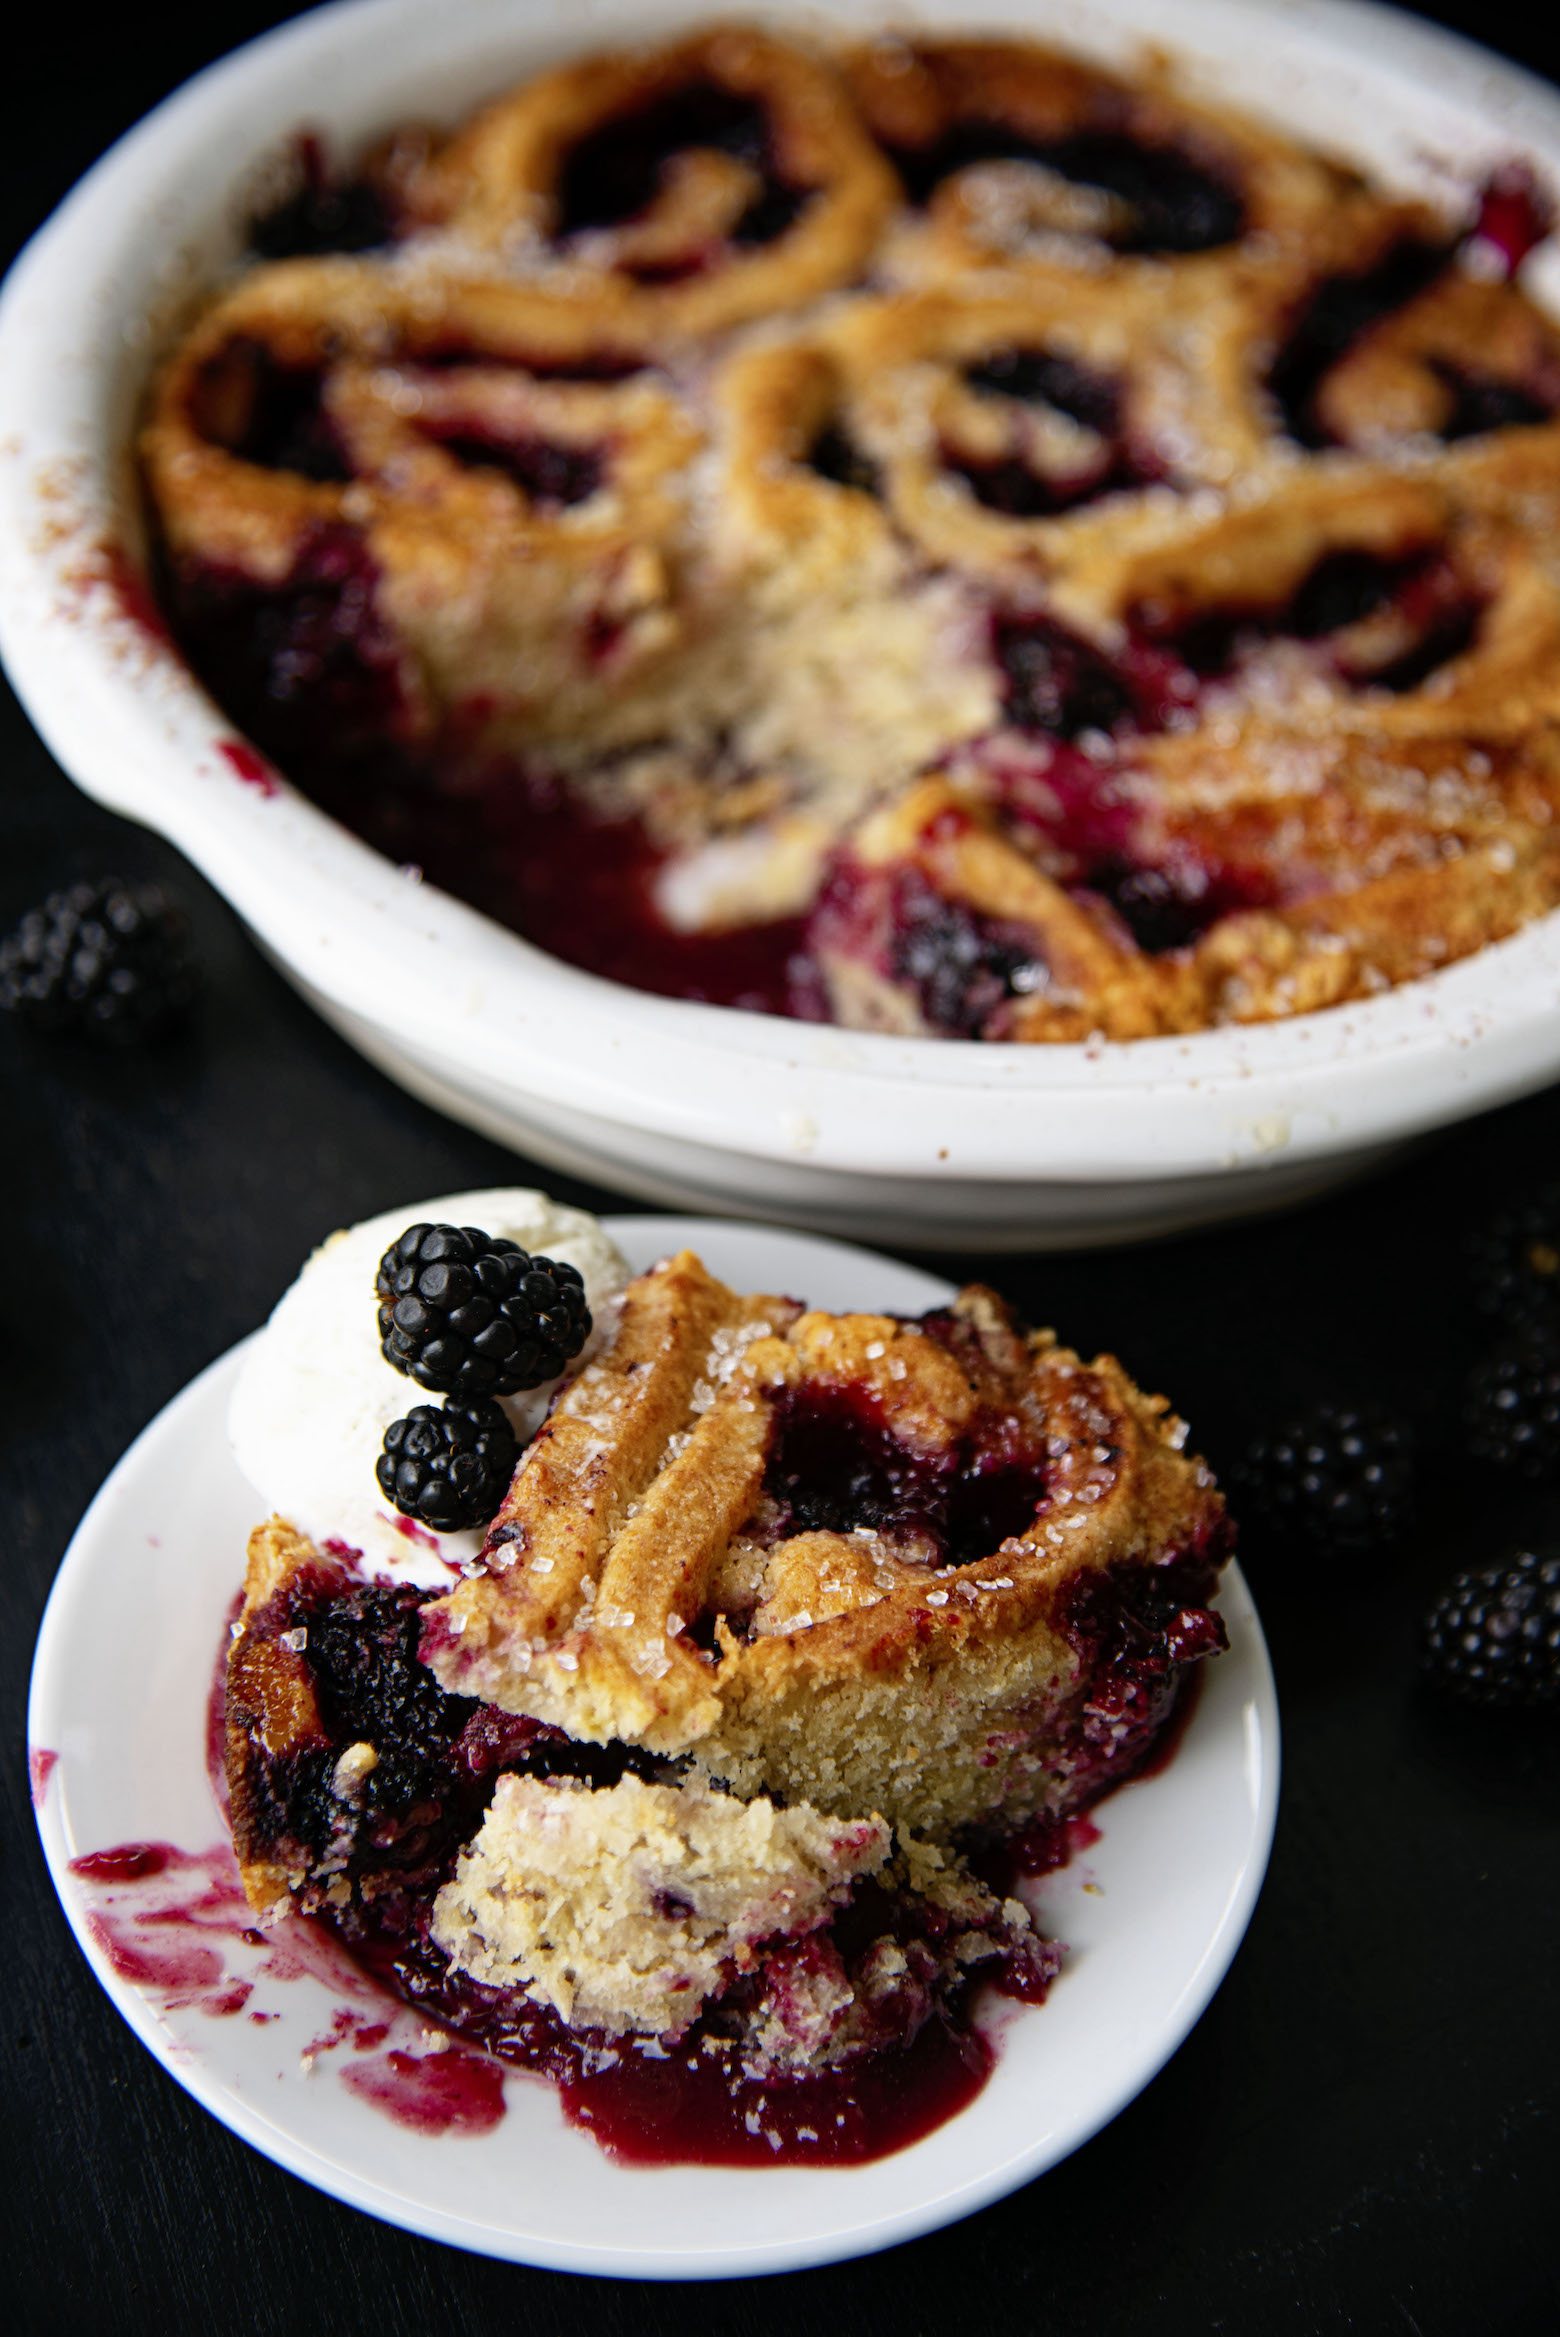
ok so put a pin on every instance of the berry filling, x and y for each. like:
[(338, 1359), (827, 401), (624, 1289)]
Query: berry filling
[(892, 1973), (1138, 1632), (322, 214), (310, 671), (1075, 818), (1173, 203), (1515, 214), (1337, 316), (962, 967), (601, 365), (835, 455), (1344, 311), (695, 2103), (346, 1653), (1057, 683), (267, 413), (1482, 402), (1036, 377), (1379, 624), (1041, 479), (1171, 907), (835, 1466), (519, 846), (615, 173), (547, 474), (356, 1648)]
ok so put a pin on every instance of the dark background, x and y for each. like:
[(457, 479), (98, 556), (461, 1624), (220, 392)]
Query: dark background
[(1360, 2134)]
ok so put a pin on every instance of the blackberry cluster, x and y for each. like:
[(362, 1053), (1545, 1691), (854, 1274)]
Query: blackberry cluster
[(474, 1317), (437, 1753), (1336, 1478), (469, 1315), (109, 961), (360, 1647), (1056, 682), (1512, 1409), (373, 1686), (1493, 1636), (449, 1466)]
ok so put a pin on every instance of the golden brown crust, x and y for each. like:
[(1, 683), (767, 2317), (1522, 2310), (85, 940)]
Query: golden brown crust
[(494, 593), (933, 431), (844, 1667), (597, 1519), (499, 179), (920, 96), (270, 1704)]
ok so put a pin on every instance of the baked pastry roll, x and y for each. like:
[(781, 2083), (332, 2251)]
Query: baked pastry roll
[(1014, 156), (709, 182), (485, 536), (840, 1558), (789, 1628)]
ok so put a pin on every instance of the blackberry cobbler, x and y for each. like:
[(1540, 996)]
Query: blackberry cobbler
[(932, 536), (795, 1640)]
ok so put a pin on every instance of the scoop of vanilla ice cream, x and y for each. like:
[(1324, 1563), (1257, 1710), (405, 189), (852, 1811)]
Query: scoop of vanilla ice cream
[(315, 1396)]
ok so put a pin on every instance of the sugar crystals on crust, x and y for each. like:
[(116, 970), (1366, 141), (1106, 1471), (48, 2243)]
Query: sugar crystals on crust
[(837, 1557)]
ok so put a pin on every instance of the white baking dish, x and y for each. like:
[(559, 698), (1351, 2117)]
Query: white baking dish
[(928, 1141)]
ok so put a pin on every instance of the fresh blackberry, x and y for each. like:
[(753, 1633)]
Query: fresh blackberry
[(469, 1315), (109, 960), (1515, 1258), (1337, 1477), (1493, 1635), (1512, 1411), (448, 1466)]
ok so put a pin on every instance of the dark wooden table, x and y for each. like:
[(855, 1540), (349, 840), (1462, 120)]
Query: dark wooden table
[(1361, 2132)]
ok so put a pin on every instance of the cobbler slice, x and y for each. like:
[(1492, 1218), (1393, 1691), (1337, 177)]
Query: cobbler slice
[(795, 1639), (797, 1636), (868, 1563)]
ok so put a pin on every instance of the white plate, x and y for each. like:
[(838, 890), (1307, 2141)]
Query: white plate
[(119, 1694)]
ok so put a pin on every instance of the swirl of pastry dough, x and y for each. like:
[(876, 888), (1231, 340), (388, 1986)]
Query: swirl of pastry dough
[(1016, 157), (1046, 430), (507, 493), (834, 1556), (1418, 343), (1344, 773), (721, 178)]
